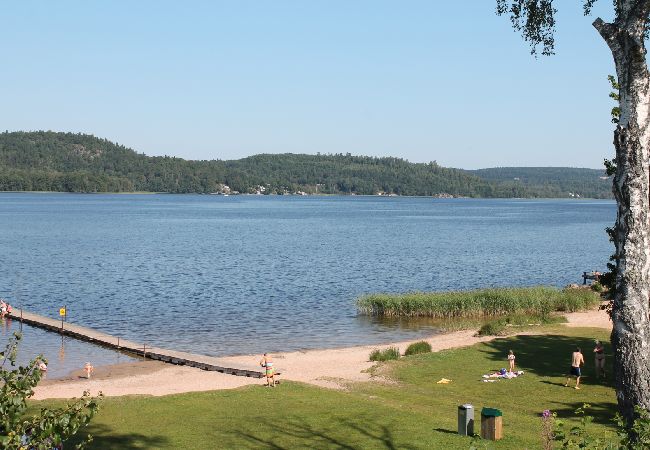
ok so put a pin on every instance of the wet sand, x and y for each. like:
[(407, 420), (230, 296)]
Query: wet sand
[(330, 368)]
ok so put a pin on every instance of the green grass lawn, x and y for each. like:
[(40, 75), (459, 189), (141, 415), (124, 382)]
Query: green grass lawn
[(414, 412)]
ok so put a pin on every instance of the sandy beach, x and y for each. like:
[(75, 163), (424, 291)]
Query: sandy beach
[(329, 368)]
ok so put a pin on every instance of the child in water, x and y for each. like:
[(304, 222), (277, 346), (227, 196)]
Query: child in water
[(89, 369)]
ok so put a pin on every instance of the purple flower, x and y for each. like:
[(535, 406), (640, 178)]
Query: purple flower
[(546, 414)]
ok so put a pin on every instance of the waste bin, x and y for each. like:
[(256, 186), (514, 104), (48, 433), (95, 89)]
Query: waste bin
[(491, 424), (466, 420)]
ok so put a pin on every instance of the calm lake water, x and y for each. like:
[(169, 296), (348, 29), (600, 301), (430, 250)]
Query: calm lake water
[(245, 274)]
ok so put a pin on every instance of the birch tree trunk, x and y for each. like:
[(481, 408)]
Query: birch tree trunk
[(631, 311)]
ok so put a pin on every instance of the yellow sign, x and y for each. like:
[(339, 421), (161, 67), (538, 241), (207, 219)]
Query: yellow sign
[(62, 312)]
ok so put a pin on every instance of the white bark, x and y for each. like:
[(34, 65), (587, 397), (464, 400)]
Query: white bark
[(631, 312)]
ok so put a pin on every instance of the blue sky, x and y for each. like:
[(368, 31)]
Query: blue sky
[(422, 80)]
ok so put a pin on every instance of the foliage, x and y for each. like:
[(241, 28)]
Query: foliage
[(539, 301), (417, 348), (493, 328), (69, 162), (548, 435), (636, 437), (534, 19), (596, 286), (510, 324), (388, 354), (580, 436), (50, 427)]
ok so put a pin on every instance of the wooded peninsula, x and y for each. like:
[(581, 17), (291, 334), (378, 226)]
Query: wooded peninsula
[(69, 162)]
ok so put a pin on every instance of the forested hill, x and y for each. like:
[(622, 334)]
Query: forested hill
[(68, 162), (576, 182)]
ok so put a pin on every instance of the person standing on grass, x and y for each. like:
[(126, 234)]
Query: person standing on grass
[(511, 361), (576, 361), (599, 353), (267, 363)]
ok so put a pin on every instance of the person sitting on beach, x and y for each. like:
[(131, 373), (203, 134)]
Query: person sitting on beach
[(576, 361), (511, 361), (3, 308), (599, 352), (267, 363)]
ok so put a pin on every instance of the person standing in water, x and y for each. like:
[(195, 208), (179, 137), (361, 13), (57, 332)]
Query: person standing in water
[(267, 363), (576, 361)]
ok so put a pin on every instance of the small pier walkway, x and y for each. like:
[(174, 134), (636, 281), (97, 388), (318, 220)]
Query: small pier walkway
[(106, 340)]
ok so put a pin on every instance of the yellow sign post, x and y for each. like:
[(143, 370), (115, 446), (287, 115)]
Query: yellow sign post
[(63, 312)]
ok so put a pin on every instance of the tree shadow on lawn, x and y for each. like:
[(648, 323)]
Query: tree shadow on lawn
[(375, 435), (108, 438), (548, 355)]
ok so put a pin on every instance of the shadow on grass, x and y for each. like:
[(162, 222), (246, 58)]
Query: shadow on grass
[(444, 430), (371, 434), (106, 438), (549, 355)]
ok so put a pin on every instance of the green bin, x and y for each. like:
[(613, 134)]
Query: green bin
[(491, 424)]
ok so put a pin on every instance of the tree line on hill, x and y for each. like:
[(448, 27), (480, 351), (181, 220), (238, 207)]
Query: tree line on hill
[(69, 162)]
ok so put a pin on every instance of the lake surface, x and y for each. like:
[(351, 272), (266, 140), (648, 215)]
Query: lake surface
[(246, 274)]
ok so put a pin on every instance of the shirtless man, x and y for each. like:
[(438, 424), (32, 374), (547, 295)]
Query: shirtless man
[(576, 361)]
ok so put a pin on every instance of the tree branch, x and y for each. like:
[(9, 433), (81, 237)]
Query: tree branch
[(609, 32)]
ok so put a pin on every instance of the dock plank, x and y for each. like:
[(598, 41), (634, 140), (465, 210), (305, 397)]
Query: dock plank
[(114, 342)]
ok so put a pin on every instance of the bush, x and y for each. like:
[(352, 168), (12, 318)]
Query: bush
[(635, 437), (502, 326), (417, 348), (493, 328), (385, 355), (597, 287), (48, 428)]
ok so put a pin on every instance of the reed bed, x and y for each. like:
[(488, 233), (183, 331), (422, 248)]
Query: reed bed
[(540, 300)]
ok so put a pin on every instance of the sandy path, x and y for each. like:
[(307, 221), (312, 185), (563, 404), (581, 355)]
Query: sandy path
[(331, 368)]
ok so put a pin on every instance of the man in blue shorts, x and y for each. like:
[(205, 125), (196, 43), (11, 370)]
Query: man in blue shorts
[(576, 361)]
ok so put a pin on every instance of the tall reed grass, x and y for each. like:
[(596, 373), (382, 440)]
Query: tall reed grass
[(538, 300)]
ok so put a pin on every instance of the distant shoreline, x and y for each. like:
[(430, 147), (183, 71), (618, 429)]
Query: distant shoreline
[(308, 195)]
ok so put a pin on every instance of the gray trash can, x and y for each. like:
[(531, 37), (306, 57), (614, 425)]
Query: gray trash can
[(466, 420)]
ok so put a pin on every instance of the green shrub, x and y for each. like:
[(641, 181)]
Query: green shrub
[(385, 355), (493, 328), (597, 287), (504, 325), (417, 348)]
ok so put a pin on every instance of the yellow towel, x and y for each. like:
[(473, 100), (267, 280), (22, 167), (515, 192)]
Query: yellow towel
[(444, 381)]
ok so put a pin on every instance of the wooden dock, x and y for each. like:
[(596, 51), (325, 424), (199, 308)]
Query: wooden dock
[(590, 276), (106, 340)]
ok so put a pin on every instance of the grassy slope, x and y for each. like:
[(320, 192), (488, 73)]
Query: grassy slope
[(415, 413)]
